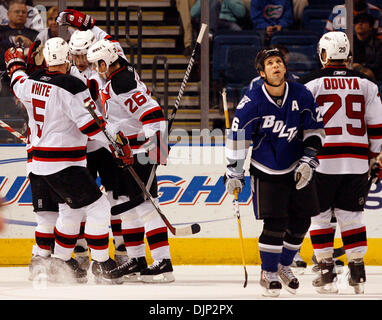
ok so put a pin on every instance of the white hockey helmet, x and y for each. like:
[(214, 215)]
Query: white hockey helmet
[(56, 52), (336, 45), (81, 41), (102, 50)]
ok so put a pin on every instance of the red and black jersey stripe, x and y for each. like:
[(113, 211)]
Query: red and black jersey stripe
[(92, 128), (374, 131), (344, 150), (116, 227), (153, 115), (135, 141), (57, 154)]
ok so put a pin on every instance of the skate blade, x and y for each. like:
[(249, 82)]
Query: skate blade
[(271, 292), (101, 280), (160, 278), (134, 277), (330, 288), (298, 270), (359, 288)]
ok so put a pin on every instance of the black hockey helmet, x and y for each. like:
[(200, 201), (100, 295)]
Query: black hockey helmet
[(264, 54)]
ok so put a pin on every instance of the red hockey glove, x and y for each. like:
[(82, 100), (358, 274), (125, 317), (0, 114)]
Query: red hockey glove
[(35, 58), (14, 60), (76, 19), (127, 157)]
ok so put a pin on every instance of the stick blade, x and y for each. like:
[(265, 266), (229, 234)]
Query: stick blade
[(187, 231)]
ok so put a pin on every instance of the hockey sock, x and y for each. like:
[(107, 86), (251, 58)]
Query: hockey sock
[(44, 233), (133, 233), (97, 228), (271, 243), (66, 231)]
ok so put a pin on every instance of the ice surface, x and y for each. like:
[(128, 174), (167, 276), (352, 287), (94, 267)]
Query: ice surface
[(192, 283)]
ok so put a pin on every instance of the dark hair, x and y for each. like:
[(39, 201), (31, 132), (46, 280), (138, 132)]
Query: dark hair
[(364, 17), (266, 53)]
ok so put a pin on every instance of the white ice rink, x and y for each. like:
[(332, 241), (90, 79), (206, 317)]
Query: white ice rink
[(192, 283)]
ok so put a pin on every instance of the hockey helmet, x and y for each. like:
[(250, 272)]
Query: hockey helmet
[(56, 52), (81, 41), (102, 50), (264, 54), (336, 45)]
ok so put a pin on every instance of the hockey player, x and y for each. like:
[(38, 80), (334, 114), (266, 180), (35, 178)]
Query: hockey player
[(281, 119), (352, 112), (131, 109), (99, 158), (61, 127)]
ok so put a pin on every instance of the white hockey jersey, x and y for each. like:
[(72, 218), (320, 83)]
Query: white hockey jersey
[(352, 112), (86, 76), (59, 123), (129, 107)]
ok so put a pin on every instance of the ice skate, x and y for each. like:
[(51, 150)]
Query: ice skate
[(38, 267), (132, 269), (298, 264), (159, 271), (107, 272), (81, 254), (66, 271), (288, 279), (120, 255), (357, 275), (270, 283), (326, 281)]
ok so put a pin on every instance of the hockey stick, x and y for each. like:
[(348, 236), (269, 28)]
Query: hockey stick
[(186, 75), (194, 228), (236, 198), (237, 215), (181, 91), (13, 131)]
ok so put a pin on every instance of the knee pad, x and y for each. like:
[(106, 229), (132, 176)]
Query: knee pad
[(97, 216), (322, 220), (147, 211), (46, 220), (348, 220), (274, 231)]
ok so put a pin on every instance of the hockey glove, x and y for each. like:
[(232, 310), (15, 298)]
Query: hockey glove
[(375, 170), (75, 19), (304, 170), (35, 58), (233, 181), (14, 60), (125, 157)]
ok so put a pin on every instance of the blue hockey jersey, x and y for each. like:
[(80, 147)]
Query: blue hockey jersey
[(278, 130)]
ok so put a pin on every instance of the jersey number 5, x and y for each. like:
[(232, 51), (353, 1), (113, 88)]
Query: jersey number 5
[(336, 104), (38, 117)]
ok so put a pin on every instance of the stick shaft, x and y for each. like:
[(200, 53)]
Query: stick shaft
[(13, 131), (173, 230), (186, 75)]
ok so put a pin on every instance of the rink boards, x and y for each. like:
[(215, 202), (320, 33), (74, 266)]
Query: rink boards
[(191, 190)]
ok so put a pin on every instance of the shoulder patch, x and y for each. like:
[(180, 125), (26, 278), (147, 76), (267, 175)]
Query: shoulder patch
[(123, 81)]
